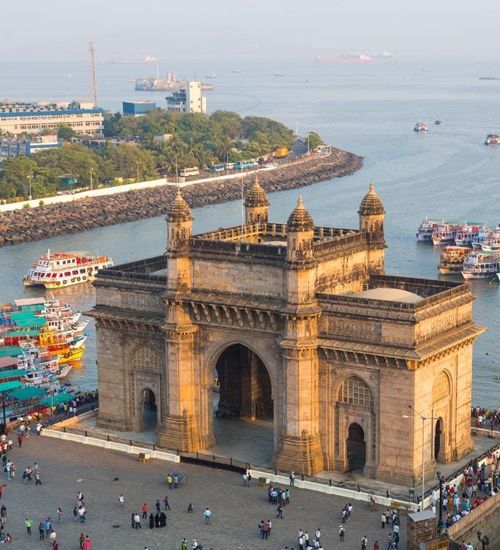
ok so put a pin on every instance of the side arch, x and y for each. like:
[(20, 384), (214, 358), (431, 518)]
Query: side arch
[(355, 407)]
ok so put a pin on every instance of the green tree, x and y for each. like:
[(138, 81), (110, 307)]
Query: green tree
[(65, 133), (131, 161), (314, 140)]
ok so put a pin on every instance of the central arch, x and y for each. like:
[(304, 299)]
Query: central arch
[(243, 405), (356, 447)]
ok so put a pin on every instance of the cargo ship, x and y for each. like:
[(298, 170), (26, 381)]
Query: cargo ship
[(345, 58), (164, 84), (134, 60)]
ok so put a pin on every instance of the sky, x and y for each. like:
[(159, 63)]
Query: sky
[(59, 30)]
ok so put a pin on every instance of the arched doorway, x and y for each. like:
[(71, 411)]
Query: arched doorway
[(356, 448), (437, 438), (149, 409), (243, 406)]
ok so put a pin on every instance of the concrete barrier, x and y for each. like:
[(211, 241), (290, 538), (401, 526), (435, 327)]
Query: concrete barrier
[(348, 494), (111, 445)]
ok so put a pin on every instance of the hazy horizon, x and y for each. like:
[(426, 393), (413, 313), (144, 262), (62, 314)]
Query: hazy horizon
[(219, 29)]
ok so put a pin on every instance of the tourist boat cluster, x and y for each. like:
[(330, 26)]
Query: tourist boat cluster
[(471, 249), (40, 341)]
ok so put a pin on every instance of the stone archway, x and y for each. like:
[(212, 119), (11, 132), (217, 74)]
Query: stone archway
[(355, 427), (438, 440), (356, 448), (149, 409), (243, 406)]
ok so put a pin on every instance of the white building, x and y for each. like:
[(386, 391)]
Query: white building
[(188, 99), (84, 117)]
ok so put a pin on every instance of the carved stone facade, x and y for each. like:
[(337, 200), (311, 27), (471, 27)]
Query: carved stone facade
[(299, 324)]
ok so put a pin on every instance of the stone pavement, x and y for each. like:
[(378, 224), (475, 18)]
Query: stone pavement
[(102, 475)]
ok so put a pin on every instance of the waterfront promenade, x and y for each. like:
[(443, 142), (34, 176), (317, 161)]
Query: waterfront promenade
[(67, 468)]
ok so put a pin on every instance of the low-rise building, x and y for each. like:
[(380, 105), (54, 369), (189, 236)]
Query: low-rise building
[(24, 147), (83, 117), (188, 99), (137, 108)]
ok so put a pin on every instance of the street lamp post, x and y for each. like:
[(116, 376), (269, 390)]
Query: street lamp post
[(441, 483), (29, 183)]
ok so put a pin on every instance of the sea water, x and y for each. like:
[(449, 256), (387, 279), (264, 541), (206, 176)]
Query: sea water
[(367, 109)]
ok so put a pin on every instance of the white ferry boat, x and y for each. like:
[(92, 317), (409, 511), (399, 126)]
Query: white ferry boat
[(444, 233), (61, 269), (481, 265), (421, 127), (466, 233), (425, 229), (492, 139), (482, 236), (492, 244)]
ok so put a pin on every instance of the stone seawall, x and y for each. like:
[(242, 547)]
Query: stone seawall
[(32, 224)]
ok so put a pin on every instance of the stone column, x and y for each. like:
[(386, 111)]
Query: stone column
[(180, 429), (299, 441)]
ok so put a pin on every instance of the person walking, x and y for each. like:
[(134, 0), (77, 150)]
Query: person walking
[(87, 545), (376, 545), (121, 500), (166, 503), (41, 532), (38, 481), (137, 521), (158, 505), (60, 516), (82, 540), (52, 537), (145, 511), (183, 544), (28, 523), (208, 516), (292, 478), (383, 520), (341, 533), (279, 511), (364, 543)]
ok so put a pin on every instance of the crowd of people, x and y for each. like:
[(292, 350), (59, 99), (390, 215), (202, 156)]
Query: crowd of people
[(479, 482), (485, 418)]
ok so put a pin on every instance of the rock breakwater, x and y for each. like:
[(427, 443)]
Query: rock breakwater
[(32, 224)]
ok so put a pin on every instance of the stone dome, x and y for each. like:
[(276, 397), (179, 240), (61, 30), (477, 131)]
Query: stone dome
[(371, 204), (257, 195), (179, 210), (300, 219)]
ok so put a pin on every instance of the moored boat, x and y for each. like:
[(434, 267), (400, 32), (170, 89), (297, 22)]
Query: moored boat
[(61, 269), (465, 233), (421, 127), (425, 229), (481, 265), (492, 139), (444, 233), (492, 243), (452, 259)]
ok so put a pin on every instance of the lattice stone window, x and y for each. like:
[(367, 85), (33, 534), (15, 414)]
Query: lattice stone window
[(145, 358), (441, 387), (355, 392)]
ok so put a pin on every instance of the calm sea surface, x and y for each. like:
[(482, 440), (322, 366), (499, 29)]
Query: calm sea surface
[(369, 110)]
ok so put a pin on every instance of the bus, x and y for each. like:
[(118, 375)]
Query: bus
[(245, 164), (193, 171), (217, 167)]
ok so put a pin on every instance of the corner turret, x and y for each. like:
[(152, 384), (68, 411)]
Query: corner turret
[(179, 224), (256, 205), (371, 222), (179, 229), (300, 233)]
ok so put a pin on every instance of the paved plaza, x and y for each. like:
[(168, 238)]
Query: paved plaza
[(103, 475)]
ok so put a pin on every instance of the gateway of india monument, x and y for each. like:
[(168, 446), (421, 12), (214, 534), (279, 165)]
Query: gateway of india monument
[(298, 324)]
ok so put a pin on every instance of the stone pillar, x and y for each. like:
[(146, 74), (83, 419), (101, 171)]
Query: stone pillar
[(180, 429), (299, 441)]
